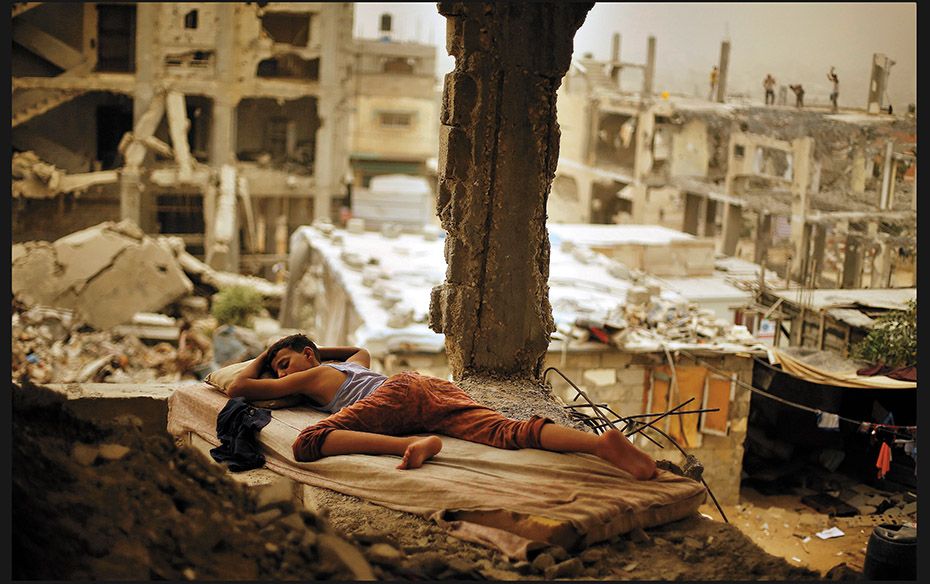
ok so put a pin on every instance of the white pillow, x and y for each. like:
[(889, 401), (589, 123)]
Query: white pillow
[(221, 378)]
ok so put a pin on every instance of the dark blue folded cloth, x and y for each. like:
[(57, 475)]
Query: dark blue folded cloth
[(237, 426)]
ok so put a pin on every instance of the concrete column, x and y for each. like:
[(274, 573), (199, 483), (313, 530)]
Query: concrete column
[(132, 197), (802, 161), (642, 160), (223, 123), (331, 151), (885, 194), (594, 118), (710, 218), (857, 174), (722, 78), (223, 254), (701, 219), (650, 69), (881, 67), (763, 236), (881, 266), (89, 34), (840, 232), (615, 68), (732, 225), (914, 190), (692, 213), (640, 195), (852, 262), (817, 252), (498, 150)]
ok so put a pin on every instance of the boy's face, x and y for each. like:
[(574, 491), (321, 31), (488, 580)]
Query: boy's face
[(288, 361)]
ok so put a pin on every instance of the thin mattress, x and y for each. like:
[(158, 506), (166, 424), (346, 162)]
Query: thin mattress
[(513, 500)]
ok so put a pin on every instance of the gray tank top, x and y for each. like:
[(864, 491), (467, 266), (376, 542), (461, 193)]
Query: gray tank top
[(359, 383)]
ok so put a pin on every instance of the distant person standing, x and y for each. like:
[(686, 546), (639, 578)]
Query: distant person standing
[(714, 75), (835, 95), (798, 95), (769, 84)]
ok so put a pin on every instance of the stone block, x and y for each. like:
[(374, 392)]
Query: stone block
[(108, 402), (632, 377), (600, 377), (584, 359), (616, 359)]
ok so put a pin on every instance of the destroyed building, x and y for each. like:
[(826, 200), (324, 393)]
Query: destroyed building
[(395, 121), (829, 197), (227, 125)]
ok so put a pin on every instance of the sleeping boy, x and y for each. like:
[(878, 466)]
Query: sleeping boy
[(375, 414)]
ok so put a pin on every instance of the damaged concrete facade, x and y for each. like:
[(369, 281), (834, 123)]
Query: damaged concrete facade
[(829, 198), (395, 122), (192, 119)]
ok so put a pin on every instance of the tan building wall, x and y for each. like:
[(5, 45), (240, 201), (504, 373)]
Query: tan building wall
[(690, 154), (574, 120), (395, 128)]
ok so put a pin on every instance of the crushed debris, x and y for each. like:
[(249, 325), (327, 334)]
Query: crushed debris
[(106, 274), (53, 346)]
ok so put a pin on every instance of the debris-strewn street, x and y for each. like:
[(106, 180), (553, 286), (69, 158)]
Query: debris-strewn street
[(652, 287)]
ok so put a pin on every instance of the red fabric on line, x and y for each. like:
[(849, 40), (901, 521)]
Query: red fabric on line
[(883, 464)]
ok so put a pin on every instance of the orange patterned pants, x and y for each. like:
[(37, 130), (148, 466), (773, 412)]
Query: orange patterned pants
[(410, 403)]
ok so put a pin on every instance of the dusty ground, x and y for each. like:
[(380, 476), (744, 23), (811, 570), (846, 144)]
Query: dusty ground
[(92, 502), (785, 527)]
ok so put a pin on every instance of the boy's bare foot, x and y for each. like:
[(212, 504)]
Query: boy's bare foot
[(617, 449), (420, 451)]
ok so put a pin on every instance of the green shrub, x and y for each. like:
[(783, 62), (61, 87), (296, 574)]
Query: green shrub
[(893, 339), (236, 305)]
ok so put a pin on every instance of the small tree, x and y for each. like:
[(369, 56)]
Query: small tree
[(893, 339), (236, 305)]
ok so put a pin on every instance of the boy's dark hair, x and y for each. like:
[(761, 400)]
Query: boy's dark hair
[(296, 342)]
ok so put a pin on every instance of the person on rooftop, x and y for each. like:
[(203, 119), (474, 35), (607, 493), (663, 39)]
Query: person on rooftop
[(375, 414), (833, 78), (769, 84), (798, 95)]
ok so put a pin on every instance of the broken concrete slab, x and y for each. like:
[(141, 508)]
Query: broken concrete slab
[(85, 253), (106, 274), (34, 269)]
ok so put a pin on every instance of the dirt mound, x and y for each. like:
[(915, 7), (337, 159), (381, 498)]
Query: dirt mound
[(97, 502), (93, 502)]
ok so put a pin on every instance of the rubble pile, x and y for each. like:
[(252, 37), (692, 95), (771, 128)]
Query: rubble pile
[(105, 274), (34, 178), (108, 273), (95, 502), (647, 321), (52, 346), (82, 309)]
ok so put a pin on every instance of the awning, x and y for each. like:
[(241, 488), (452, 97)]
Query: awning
[(801, 370)]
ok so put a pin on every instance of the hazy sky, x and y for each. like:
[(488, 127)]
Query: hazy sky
[(796, 42)]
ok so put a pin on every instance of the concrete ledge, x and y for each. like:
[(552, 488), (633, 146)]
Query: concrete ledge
[(147, 403)]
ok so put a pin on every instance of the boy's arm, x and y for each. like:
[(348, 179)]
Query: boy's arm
[(351, 354), (315, 383), (248, 384)]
